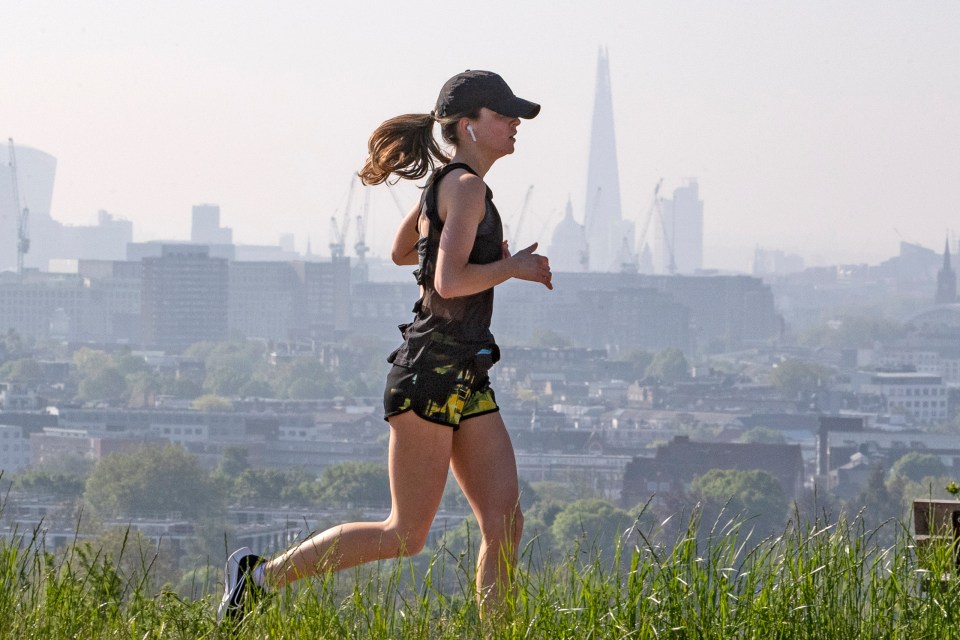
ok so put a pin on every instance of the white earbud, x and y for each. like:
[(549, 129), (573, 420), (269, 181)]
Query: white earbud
[(472, 134)]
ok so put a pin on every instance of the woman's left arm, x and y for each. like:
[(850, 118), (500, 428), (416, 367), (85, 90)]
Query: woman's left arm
[(404, 249)]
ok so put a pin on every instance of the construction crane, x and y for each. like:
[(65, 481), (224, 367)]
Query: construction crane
[(656, 208), (23, 215), (361, 270), (654, 204), (338, 228), (361, 245), (523, 210), (587, 225)]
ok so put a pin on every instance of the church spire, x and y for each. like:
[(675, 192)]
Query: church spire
[(946, 279)]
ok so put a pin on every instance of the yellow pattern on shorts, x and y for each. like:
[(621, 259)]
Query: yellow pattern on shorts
[(461, 403)]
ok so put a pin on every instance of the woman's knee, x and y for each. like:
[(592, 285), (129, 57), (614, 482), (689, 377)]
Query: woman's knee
[(504, 524), (409, 540)]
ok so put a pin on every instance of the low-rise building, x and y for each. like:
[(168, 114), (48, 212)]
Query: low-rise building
[(14, 449), (674, 466), (921, 397)]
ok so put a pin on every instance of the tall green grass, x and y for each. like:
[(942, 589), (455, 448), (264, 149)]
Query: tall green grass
[(714, 580)]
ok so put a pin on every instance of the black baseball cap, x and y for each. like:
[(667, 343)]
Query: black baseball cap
[(471, 90)]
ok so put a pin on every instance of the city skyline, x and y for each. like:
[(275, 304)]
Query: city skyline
[(828, 131)]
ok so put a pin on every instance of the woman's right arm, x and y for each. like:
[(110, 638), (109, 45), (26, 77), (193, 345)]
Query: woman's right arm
[(462, 202), (404, 249)]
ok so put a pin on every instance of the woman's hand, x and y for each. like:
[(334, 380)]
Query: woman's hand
[(531, 266)]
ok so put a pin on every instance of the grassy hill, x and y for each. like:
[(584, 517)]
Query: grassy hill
[(815, 581)]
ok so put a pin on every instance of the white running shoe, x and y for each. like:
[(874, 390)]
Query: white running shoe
[(238, 584)]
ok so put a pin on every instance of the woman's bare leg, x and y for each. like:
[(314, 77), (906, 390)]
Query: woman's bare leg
[(484, 465), (419, 458)]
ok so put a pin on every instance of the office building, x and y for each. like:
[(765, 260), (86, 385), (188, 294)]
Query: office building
[(184, 298), (205, 226), (679, 243)]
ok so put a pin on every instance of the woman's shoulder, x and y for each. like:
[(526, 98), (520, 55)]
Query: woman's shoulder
[(461, 184)]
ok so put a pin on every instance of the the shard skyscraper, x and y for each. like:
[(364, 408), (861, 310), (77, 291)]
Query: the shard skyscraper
[(606, 231)]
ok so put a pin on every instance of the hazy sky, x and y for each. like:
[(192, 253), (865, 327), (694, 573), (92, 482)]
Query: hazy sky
[(827, 128)]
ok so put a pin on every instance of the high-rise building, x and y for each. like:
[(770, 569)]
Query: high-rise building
[(35, 174), (325, 297), (184, 298), (205, 226), (112, 312), (265, 299), (678, 246), (603, 222)]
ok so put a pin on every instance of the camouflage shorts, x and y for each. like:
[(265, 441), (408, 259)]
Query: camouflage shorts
[(445, 394)]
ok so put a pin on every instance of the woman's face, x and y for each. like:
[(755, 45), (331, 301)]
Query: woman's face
[(496, 131)]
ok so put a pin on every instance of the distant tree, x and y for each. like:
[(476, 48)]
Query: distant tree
[(668, 364), (550, 339), (22, 370), (367, 358), (211, 402), (357, 387), (462, 540), (762, 435), (361, 484), (150, 480), (223, 380), (305, 378), (852, 329), (916, 465), (102, 385), (257, 388), (306, 389), (129, 364), (142, 389), (796, 377), (229, 365), (927, 487), (639, 360), (90, 362), (39, 481), (878, 503), (548, 500), (272, 486), (753, 495), (817, 505), (233, 461), (593, 524), (181, 388), (66, 464), (11, 346)]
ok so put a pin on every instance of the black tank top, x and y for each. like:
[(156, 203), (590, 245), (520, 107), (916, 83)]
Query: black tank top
[(452, 329)]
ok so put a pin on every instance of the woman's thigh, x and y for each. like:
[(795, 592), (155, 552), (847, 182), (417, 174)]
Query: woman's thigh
[(485, 466), (418, 462)]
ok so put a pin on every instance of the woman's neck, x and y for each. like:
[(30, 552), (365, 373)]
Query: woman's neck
[(474, 160)]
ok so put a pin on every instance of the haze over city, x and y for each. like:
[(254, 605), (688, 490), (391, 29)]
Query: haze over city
[(824, 129)]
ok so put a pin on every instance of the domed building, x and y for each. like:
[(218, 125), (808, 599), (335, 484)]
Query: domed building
[(568, 246)]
